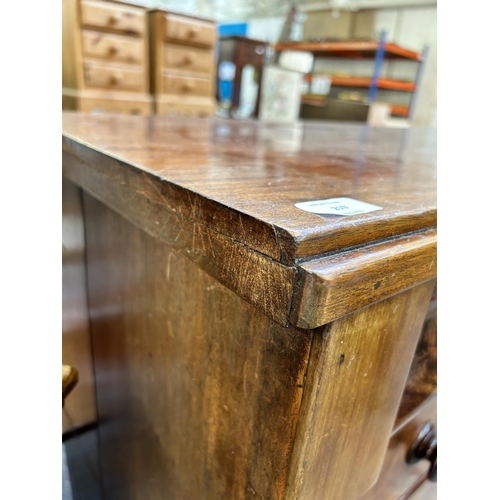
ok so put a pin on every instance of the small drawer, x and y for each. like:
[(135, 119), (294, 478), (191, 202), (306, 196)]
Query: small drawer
[(188, 59), (113, 47), (119, 18), (183, 85), (113, 78), (182, 29), (398, 477)]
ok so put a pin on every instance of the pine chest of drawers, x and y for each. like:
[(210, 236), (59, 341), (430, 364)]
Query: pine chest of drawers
[(105, 57)]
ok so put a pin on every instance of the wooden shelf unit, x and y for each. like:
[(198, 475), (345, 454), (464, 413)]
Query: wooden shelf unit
[(379, 50)]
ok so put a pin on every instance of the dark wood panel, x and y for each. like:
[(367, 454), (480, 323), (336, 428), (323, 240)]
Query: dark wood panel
[(263, 282), (355, 379), (76, 348), (198, 392), (218, 171), (398, 478)]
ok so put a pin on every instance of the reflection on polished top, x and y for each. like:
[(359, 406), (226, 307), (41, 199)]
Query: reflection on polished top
[(242, 178)]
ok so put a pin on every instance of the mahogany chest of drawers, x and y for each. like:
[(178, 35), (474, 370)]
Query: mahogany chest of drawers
[(243, 347)]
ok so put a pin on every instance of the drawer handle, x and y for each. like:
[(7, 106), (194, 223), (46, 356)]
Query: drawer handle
[(187, 86), (115, 78), (113, 19), (192, 32), (188, 59), (425, 447), (113, 50)]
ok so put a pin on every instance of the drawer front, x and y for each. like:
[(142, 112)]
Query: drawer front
[(183, 85), (188, 59), (119, 18), (113, 48), (397, 478), (113, 78), (190, 31)]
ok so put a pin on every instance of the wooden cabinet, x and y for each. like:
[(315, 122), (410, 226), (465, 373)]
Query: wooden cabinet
[(243, 347), (243, 51), (182, 64), (105, 57)]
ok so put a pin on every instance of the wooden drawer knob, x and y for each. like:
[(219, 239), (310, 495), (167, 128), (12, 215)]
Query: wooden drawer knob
[(113, 50), (425, 447), (192, 32), (187, 86), (188, 58), (115, 78), (113, 19), (69, 380)]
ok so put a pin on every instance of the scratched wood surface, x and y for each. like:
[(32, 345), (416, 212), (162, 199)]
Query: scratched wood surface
[(262, 281), (355, 379), (198, 393), (216, 170), (201, 391), (335, 285), (209, 197)]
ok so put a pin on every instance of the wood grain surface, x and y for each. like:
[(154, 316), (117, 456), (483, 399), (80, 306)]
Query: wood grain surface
[(208, 201), (199, 266), (225, 169), (355, 379), (263, 282), (333, 286), (198, 392)]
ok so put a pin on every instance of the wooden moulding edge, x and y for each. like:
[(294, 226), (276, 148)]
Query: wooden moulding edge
[(333, 286)]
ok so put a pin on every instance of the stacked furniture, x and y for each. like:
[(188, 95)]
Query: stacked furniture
[(105, 57), (182, 63), (377, 50), (120, 57)]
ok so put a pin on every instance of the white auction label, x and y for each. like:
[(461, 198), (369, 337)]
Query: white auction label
[(337, 206)]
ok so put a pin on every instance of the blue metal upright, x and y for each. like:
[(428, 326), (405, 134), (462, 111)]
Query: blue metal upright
[(418, 80), (379, 60)]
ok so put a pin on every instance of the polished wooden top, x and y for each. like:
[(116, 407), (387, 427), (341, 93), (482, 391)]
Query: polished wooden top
[(242, 178), (222, 193)]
